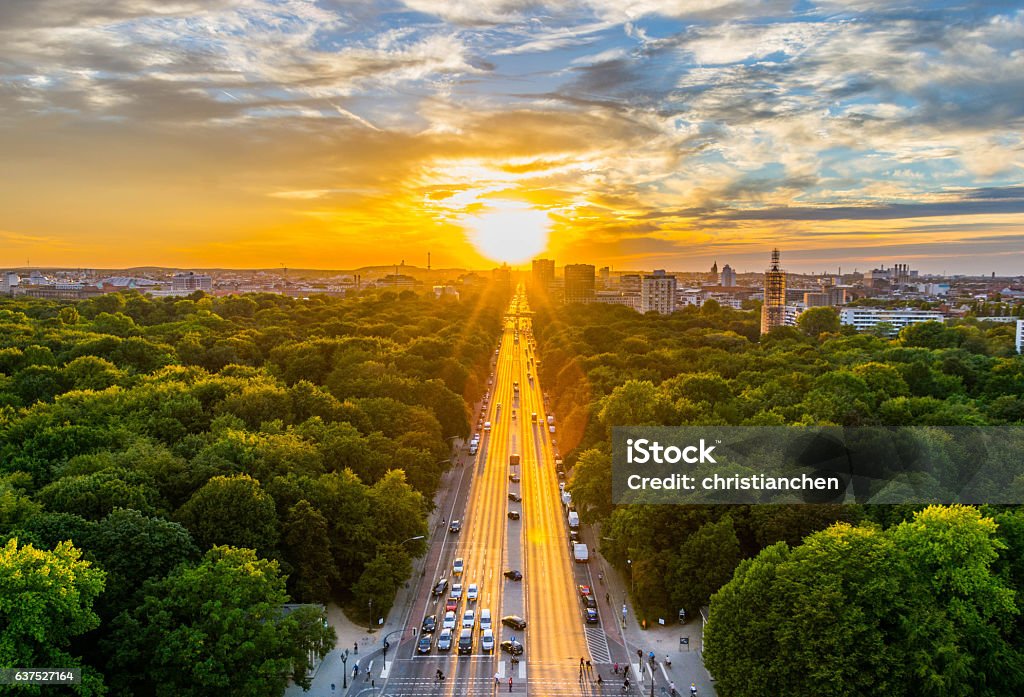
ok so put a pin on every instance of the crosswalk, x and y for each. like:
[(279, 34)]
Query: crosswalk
[(481, 687), (597, 642)]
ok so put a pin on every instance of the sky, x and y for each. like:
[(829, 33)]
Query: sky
[(633, 133)]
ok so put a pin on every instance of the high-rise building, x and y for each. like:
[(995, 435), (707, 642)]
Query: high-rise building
[(579, 283), (630, 283), (773, 311), (728, 276), (658, 293), (604, 275), (191, 281), (543, 273), (1020, 336)]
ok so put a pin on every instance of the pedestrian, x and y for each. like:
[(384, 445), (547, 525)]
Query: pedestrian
[(510, 683), (355, 647), (600, 681), (581, 662), (616, 670), (496, 679), (589, 667), (608, 598)]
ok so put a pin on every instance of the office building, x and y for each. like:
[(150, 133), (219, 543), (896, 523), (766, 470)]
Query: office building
[(773, 311), (191, 281), (630, 283), (868, 318), (615, 297), (543, 273), (1020, 336), (728, 278), (579, 283), (658, 293)]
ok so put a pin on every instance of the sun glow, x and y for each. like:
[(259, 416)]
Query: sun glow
[(509, 231)]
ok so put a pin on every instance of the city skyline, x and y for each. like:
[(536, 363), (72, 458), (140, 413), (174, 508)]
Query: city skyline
[(260, 134)]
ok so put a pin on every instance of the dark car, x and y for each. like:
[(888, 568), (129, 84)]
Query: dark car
[(589, 602), (512, 647), (574, 535), (423, 645), (429, 624), (455, 526), (513, 575), (513, 515), (591, 616), (514, 621), (441, 587), (513, 496), (514, 478)]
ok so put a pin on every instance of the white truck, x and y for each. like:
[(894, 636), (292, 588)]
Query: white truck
[(574, 519), (580, 553)]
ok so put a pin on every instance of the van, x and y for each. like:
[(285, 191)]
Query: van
[(485, 618), (466, 641), (574, 519)]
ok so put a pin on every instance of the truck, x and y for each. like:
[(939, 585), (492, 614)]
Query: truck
[(580, 553), (574, 519), (513, 459)]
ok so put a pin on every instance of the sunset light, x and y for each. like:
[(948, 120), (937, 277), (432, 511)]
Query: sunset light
[(509, 231)]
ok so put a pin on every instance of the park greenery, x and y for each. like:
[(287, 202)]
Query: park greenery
[(805, 600), (174, 471)]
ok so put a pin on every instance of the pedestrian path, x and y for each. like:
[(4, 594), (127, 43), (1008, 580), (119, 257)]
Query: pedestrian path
[(478, 687)]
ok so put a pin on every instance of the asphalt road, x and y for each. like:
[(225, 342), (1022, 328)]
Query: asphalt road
[(489, 543)]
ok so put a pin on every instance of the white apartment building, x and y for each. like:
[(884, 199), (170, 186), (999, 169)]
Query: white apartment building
[(1020, 336), (867, 318), (658, 293)]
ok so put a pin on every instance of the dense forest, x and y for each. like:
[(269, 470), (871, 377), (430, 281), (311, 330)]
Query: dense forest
[(825, 599), (173, 471)]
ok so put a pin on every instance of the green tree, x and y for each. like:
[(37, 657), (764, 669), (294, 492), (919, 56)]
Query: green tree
[(216, 628), (815, 321), (380, 580), (591, 485), (704, 563), (307, 545), (234, 511), (46, 599)]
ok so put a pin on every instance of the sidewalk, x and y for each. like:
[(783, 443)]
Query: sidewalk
[(664, 640)]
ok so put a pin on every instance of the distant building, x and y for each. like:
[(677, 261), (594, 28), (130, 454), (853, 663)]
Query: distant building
[(543, 273), (658, 293), (1020, 336), (579, 283), (446, 291), (8, 282), (828, 296), (714, 274), (630, 283), (397, 281), (191, 281), (604, 274), (615, 297), (867, 318), (503, 277), (773, 311), (728, 278)]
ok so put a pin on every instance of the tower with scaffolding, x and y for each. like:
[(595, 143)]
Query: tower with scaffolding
[(773, 311)]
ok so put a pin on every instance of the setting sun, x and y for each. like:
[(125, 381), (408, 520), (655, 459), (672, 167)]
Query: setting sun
[(509, 231)]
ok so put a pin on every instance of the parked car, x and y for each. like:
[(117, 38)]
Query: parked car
[(591, 615)]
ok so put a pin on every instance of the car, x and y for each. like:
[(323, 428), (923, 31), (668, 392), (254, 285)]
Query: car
[(487, 425), (455, 526), (456, 591), (591, 615), (533, 417), (429, 624), (444, 640), (473, 448), (423, 645), (584, 590), (457, 566), (451, 605), (561, 486), (513, 515), (466, 641), (513, 413), (590, 602), (472, 592), (514, 478), (441, 587), (513, 575), (485, 618), (513, 496), (468, 619), (560, 472), (449, 621), (487, 641), (514, 621), (551, 429), (574, 535), (513, 647)]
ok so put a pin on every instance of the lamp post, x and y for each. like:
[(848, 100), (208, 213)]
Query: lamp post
[(344, 670)]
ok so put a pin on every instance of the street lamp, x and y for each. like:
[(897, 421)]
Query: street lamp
[(418, 537), (632, 585), (344, 670)]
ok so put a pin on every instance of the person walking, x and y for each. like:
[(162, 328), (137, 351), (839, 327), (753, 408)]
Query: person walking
[(510, 683), (496, 679), (616, 668)]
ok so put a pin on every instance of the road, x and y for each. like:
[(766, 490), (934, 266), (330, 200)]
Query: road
[(490, 543)]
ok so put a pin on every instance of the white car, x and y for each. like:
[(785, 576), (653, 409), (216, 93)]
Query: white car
[(487, 641), (487, 425), (468, 619), (456, 591), (449, 621), (472, 592), (457, 567), (485, 618)]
